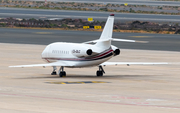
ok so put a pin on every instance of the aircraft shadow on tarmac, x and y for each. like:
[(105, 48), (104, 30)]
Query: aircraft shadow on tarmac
[(47, 76)]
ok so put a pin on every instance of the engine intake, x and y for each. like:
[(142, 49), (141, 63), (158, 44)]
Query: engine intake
[(82, 52), (89, 52), (116, 52)]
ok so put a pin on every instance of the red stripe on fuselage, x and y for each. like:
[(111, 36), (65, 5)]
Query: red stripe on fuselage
[(83, 59), (102, 54)]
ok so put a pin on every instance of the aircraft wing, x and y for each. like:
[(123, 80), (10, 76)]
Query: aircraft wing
[(59, 63), (133, 63)]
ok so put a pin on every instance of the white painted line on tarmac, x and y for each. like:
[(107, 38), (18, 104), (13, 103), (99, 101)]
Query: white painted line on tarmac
[(155, 100)]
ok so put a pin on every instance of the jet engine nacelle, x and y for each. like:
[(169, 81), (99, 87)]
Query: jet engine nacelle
[(115, 50), (82, 52)]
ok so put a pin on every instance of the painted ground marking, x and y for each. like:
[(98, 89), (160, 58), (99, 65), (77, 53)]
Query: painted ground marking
[(80, 82)]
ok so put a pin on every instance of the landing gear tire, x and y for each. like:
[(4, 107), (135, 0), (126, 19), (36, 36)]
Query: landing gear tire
[(62, 74), (99, 73), (54, 73)]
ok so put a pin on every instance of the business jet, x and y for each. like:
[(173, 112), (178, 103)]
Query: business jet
[(78, 55)]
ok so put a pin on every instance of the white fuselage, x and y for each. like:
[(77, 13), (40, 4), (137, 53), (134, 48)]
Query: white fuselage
[(61, 54), (76, 53)]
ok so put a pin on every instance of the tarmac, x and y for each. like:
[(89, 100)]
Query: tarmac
[(46, 14), (162, 42), (125, 89)]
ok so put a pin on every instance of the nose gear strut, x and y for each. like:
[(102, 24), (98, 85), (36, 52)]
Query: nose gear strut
[(54, 71)]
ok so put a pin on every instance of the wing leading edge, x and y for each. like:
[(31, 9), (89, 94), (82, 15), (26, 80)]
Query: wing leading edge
[(133, 63), (59, 63), (70, 64)]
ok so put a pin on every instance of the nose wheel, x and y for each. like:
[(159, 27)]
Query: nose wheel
[(54, 71), (100, 71)]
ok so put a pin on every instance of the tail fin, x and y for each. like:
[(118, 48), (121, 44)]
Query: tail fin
[(106, 36)]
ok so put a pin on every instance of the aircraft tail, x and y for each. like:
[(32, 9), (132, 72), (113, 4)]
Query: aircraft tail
[(106, 36)]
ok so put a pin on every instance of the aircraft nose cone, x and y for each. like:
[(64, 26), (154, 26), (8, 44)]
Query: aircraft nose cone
[(44, 53)]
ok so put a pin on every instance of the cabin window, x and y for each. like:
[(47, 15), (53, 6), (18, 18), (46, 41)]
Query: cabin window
[(60, 52)]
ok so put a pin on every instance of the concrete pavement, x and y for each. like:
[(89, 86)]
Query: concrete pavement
[(136, 88)]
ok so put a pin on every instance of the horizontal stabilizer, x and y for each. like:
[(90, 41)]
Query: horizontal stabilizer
[(125, 40), (122, 40), (115, 39)]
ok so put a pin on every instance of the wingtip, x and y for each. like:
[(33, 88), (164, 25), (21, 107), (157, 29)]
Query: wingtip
[(141, 41)]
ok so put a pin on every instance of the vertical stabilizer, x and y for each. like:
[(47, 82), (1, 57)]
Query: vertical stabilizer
[(105, 38)]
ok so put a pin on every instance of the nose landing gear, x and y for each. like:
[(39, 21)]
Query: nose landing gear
[(54, 71), (61, 71)]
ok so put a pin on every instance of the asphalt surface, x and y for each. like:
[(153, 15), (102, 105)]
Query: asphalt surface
[(61, 14), (164, 42)]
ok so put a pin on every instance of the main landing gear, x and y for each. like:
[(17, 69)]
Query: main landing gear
[(100, 71), (61, 71)]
